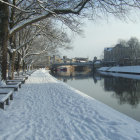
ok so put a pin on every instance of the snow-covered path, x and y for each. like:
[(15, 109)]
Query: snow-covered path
[(46, 109)]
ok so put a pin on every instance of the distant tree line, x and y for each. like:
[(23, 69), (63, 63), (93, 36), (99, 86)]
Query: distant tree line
[(124, 52)]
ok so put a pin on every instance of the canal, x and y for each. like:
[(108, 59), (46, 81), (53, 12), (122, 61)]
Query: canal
[(119, 92)]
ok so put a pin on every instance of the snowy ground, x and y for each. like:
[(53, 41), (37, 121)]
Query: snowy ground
[(127, 69), (128, 76), (46, 109)]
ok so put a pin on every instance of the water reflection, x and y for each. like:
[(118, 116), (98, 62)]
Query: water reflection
[(122, 94), (125, 90), (64, 76)]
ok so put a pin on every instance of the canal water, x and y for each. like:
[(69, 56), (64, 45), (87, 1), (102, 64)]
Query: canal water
[(119, 92)]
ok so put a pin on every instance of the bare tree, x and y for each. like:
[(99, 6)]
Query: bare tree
[(29, 12), (48, 43), (4, 23), (134, 46)]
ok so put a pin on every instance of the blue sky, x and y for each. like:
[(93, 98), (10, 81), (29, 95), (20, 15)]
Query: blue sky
[(101, 34)]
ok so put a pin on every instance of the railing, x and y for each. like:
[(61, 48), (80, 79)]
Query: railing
[(75, 63)]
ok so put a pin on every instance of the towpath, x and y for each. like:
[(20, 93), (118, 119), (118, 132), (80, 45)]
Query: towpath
[(47, 109)]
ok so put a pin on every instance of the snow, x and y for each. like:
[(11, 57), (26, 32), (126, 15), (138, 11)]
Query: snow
[(128, 76), (131, 69), (47, 109), (127, 69), (27, 22), (103, 68)]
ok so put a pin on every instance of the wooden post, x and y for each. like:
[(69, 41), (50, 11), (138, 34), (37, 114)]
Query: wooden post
[(7, 101), (19, 85), (2, 105), (11, 97), (16, 89)]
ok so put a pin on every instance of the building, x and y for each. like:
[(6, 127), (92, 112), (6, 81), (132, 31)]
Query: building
[(121, 55), (81, 59), (108, 54)]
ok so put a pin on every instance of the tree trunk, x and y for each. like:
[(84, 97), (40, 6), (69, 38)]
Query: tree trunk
[(4, 15), (11, 65), (23, 67), (12, 41), (18, 64), (13, 54)]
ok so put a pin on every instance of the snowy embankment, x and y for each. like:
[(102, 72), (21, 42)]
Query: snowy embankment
[(47, 109), (122, 69), (128, 76)]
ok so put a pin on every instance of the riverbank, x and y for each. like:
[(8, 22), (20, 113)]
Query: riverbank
[(121, 69), (46, 108)]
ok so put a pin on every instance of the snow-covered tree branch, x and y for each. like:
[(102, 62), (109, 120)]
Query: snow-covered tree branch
[(19, 15)]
